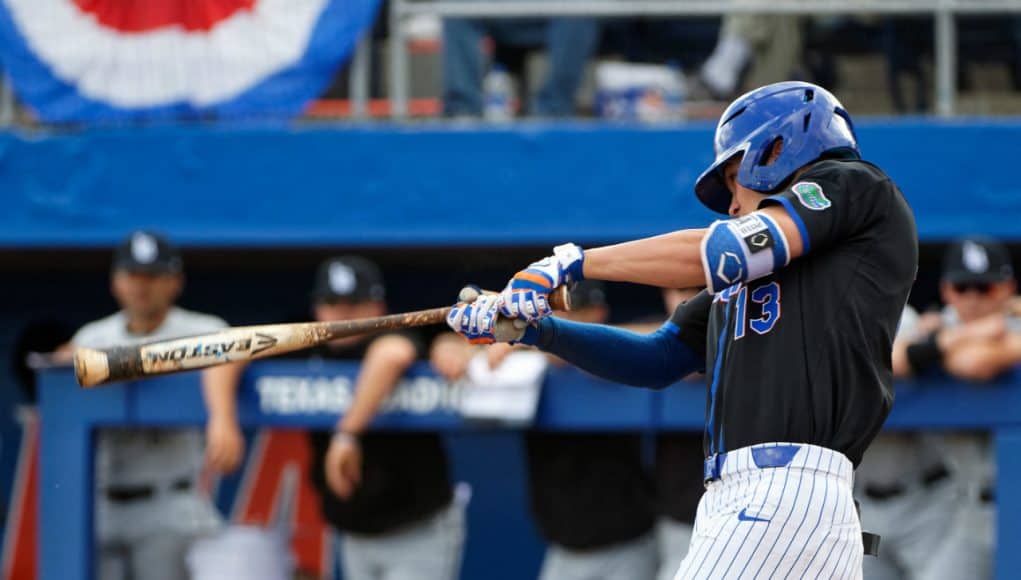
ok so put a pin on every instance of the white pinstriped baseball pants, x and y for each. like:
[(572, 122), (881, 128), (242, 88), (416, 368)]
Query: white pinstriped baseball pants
[(796, 521)]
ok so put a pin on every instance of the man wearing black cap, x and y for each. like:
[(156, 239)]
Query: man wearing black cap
[(389, 494), (148, 510), (932, 497), (975, 338), (591, 494)]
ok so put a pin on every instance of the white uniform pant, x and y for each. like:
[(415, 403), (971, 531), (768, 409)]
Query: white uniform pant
[(795, 521), (147, 539), (672, 538), (631, 560), (930, 533), (427, 550)]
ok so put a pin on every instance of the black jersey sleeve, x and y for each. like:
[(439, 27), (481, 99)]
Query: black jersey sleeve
[(692, 321), (833, 201)]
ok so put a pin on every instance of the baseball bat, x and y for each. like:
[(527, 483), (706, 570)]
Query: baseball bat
[(93, 367)]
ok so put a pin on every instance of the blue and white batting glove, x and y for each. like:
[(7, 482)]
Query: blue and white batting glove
[(476, 320), (527, 294)]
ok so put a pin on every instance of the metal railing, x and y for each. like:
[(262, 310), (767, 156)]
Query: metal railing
[(943, 11)]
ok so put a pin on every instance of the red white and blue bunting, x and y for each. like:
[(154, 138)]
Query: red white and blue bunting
[(89, 60)]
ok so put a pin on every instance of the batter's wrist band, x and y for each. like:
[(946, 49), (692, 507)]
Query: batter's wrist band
[(572, 259), (925, 354)]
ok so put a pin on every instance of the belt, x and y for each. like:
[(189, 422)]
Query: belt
[(929, 478), (129, 493), (763, 457)]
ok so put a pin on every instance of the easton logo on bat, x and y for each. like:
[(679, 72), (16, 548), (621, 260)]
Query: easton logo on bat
[(260, 343)]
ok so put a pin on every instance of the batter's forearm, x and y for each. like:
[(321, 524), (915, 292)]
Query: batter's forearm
[(669, 261), (654, 360)]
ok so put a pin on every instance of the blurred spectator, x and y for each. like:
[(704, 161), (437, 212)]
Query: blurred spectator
[(388, 494), (591, 495), (503, 383), (907, 495), (976, 338), (766, 47), (679, 484), (570, 42), (148, 507)]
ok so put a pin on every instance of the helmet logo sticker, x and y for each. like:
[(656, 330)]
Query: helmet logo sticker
[(811, 196)]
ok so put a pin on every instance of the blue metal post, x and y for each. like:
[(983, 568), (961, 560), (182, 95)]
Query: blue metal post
[(68, 415), (1008, 501)]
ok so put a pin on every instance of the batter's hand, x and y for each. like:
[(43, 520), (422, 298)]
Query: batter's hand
[(225, 445), (476, 320), (343, 465), (527, 294)]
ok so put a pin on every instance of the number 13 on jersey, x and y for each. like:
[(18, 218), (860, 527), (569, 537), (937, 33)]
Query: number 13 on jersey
[(768, 296)]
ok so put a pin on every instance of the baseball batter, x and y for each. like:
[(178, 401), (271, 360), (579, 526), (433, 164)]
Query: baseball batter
[(805, 285)]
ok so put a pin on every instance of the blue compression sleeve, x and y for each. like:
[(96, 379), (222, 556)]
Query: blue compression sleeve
[(654, 360)]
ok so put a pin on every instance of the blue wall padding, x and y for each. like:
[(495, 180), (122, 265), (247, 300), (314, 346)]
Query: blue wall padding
[(533, 184)]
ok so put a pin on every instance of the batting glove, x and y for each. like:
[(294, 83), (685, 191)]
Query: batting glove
[(527, 294), (476, 320)]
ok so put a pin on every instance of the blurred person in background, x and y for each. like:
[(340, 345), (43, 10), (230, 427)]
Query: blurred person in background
[(591, 494), (148, 506), (388, 494), (975, 338), (569, 43), (907, 494), (678, 487), (764, 47)]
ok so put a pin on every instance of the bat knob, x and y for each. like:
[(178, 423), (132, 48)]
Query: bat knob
[(469, 293), (91, 367)]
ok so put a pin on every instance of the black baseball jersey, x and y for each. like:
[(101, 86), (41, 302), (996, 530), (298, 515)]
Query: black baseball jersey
[(589, 490), (804, 355), (405, 476)]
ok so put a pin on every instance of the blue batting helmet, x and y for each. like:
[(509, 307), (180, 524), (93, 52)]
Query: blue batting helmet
[(807, 118)]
